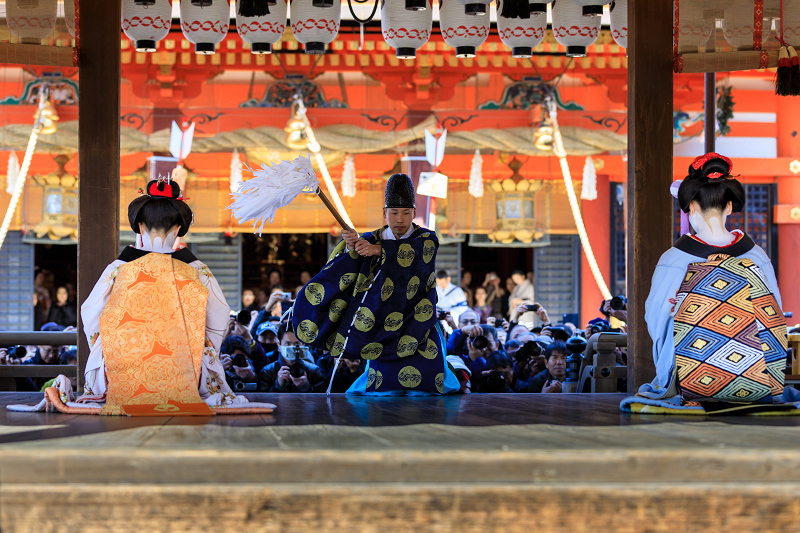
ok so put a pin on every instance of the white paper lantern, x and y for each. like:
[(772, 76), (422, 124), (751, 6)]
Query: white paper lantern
[(572, 29), (403, 29), (539, 7), (619, 22), (30, 21), (737, 25), (205, 26), (592, 8), (693, 28), (463, 32), (521, 35), (263, 32), (315, 27), (69, 16), (476, 7), (144, 25)]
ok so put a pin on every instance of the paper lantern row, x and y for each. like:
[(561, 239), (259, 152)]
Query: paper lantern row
[(406, 24)]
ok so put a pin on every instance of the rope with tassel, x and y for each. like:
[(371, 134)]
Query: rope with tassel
[(787, 76)]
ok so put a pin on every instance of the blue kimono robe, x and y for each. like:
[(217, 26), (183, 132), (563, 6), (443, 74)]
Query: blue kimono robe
[(659, 308), (381, 309)]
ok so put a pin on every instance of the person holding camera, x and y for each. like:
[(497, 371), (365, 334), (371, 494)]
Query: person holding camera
[(499, 375), (527, 312), (276, 298), (527, 355), (549, 380), (234, 354), (349, 369), (616, 307), (291, 372)]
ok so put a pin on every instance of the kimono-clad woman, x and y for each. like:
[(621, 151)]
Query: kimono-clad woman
[(707, 196)]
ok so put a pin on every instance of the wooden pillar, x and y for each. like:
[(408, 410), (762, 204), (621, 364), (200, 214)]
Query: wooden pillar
[(98, 155), (649, 167)]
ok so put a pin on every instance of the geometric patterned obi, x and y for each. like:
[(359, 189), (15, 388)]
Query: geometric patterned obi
[(730, 333)]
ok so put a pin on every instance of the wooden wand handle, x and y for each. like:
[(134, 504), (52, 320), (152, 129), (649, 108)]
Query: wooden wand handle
[(333, 210)]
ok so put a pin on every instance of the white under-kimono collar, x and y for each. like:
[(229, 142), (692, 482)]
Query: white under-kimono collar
[(143, 242), (388, 234)]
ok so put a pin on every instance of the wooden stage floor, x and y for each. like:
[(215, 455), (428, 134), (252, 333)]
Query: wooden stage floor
[(462, 463)]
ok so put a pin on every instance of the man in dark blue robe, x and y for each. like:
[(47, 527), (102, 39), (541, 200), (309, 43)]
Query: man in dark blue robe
[(376, 300)]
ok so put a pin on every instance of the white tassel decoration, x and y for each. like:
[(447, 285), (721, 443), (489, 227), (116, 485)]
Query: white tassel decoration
[(589, 186), (272, 187), (13, 173), (476, 176), (349, 177), (236, 171)]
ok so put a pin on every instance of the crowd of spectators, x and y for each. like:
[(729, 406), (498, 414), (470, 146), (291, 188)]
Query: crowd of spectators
[(499, 340)]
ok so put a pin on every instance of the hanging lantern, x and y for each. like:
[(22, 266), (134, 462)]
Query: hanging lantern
[(69, 15), (205, 23), (589, 183), (592, 8), (619, 22), (30, 22), (349, 177), (572, 29), (476, 176), (144, 25), (520, 34), (461, 31), (264, 31), (737, 25), (314, 26), (523, 212), (693, 28), (405, 30), (539, 7), (417, 5), (475, 7)]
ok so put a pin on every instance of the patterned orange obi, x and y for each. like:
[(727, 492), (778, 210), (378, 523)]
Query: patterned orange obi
[(153, 331)]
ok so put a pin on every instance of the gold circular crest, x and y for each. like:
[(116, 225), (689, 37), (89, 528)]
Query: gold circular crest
[(337, 310), (423, 311), (362, 283), (409, 377), (307, 331), (413, 287), (407, 346), (374, 376), (315, 293), (393, 321), (387, 289), (405, 255), (364, 319), (430, 351), (329, 342), (346, 280), (372, 351), (428, 250), (338, 345), (440, 383), (431, 281)]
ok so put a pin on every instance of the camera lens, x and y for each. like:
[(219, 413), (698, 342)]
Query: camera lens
[(243, 318), (297, 370), (480, 342), (239, 360), (618, 303), (532, 349), (238, 386)]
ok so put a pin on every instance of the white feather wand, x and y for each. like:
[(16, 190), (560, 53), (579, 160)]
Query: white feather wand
[(277, 186)]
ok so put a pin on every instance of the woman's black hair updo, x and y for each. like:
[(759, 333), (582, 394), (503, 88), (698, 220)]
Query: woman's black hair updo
[(711, 184)]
